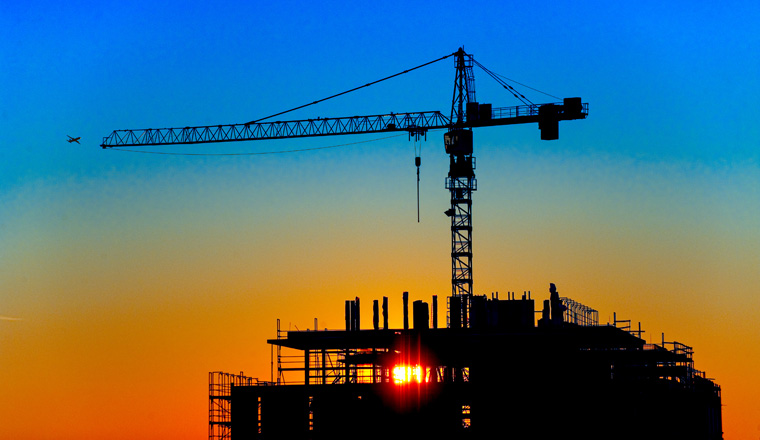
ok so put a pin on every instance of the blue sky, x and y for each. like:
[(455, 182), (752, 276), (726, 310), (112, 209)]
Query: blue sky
[(683, 72)]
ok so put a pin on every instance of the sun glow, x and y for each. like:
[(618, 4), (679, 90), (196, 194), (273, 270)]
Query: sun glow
[(403, 374)]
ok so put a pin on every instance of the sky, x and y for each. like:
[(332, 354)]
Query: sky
[(126, 277)]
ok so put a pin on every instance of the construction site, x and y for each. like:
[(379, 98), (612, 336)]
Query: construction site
[(494, 370), (488, 365)]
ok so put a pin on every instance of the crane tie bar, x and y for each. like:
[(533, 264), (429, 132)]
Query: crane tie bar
[(352, 90)]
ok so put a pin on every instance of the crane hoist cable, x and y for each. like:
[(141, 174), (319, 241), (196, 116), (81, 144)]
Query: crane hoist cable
[(418, 162)]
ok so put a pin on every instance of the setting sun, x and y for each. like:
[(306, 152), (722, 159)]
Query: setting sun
[(403, 374)]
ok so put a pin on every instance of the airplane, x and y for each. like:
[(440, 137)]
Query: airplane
[(76, 139)]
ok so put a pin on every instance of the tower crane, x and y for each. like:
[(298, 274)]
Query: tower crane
[(466, 114)]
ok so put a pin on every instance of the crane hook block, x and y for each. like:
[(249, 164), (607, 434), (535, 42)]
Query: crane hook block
[(458, 142)]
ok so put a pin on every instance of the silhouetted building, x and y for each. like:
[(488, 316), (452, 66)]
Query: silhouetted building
[(565, 376)]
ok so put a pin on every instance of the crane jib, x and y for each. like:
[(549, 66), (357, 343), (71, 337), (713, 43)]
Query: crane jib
[(415, 122)]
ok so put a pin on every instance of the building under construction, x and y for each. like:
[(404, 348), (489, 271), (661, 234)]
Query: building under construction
[(504, 368)]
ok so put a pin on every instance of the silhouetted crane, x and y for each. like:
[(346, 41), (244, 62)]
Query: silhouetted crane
[(466, 114)]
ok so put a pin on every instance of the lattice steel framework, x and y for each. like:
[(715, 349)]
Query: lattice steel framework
[(578, 313), (461, 183), (219, 395), (466, 114), (415, 122), (461, 189), (391, 122), (464, 86)]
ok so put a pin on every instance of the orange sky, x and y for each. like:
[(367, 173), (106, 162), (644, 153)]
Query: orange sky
[(126, 299)]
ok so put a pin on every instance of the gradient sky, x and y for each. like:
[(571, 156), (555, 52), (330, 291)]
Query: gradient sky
[(125, 278)]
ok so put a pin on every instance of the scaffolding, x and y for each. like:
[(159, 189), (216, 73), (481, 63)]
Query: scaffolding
[(219, 401), (577, 313)]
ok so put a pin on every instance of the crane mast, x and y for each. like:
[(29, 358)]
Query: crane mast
[(461, 183), (466, 114)]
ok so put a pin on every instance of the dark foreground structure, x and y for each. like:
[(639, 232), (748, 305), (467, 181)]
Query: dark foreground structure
[(497, 373)]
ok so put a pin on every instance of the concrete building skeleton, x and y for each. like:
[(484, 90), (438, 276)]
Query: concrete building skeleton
[(507, 374)]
